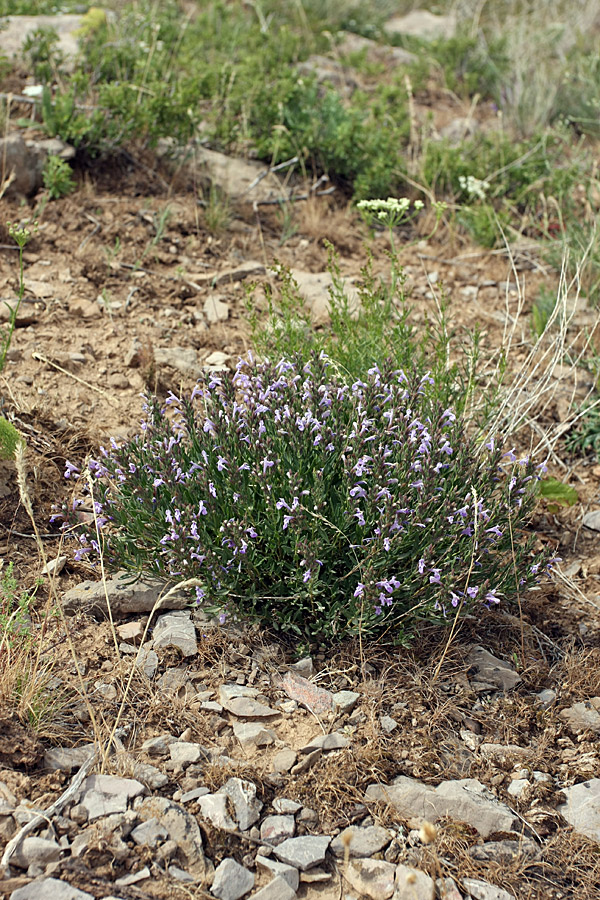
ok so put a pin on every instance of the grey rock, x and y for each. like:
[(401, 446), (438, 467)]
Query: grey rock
[(303, 852), (67, 758), (246, 707), (35, 851), (288, 873), (447, 890), (150, 833), (492, 672), (465, 800), (253, 734), (134, 877), (245, 803), (335, 741), (278, 889), (483, 890), (592, 520), (109, 831), (276, 829), (24, 161), (284, 760), (176, 630), (329, 71), (546, 698), (215, 309), (125, 597), (229, 692), (304, 667), (583, 716), (158, 746), (149, 775), (184, 360), (382, 53), (181, 827), (239, 179), (183, 753), (102, 795), (49, 889), (412, 884), (180, 875), (504, 852), (372, 878), (214, 808), (387, 724), (423, 24), (16, 29), (216, 361), (582, 809), (361, 842), (285, 806), (345, 701), (188, 796), (516, 787), (307, 761), (231, 881)]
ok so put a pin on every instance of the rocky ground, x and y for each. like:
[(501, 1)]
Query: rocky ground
[(186, 759)]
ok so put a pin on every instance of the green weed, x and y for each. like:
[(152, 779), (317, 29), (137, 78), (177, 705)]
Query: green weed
[(58, 179)]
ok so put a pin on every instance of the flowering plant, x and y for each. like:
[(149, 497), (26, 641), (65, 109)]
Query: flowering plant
[(314, 506)]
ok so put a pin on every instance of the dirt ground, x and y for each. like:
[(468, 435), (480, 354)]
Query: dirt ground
[(122, 269)]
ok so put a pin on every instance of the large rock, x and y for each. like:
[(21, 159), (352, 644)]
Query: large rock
[(303, 852), (483, 890), (465, 800), (372, 878), (361, 842), (231, 881), (490, 673), (175, 630), (49, 889), (582, 809), (103, 795), (412, 884), (35, 851), (583, 716), (23, 161), (125, 595)]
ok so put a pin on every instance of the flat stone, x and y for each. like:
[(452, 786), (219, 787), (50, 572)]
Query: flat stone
[(132, 632), (387, 724), (216, 310), (175, 630), (303, 852), (246, 805), (216, 361), (126, 597), (134, 877), (214, 808), (184, 360), (284, 760), (150, 833), (158, 746), (67, 758), (149, 775), (491, 671), (188, 796), (504, 852), (316, 699), (422, 24), (253, 734), (246, 707), (276, 829), (285, 806), (50, 889), (345, 701), (182, 828), (372, 878), (103, 795), (592, 520), (304, 667), (412, 884), (288, 873), (516, 787), (315, 876), (483, 890), (582, 809), (231, 881), (307, 761), (54, 566), (147, 661), (183, 753), (583, 716), (447, 889), (35, 851), (464, 800), (335, 741), (361, 842), (229, 692), (278, 889)]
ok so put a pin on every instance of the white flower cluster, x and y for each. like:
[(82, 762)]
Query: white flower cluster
[(392, 206), (474, 187)]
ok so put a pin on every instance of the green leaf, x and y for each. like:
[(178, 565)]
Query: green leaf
[(558, 493)]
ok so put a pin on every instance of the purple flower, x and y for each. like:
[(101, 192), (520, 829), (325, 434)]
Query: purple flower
[(435, 578), (495, 530), (510, 455), (267, 464), (421, 566), (286, 521), (490, 597), (360, 589), (446, 448), (222, 463), (472, 592), (306, 576), (71, 470), (455, 599), (358, 514)]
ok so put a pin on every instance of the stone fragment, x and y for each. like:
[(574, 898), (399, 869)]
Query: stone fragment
[(412, 884), (276, 829), (307, 761), (372, 878), (516, 787), (387, 724), (231, 881), (102, 795), (316, 699), (215, 309), (464, 800), (175, 630), (183, 359), (351, 43), (253, 734), (188, 796), (214, 808), (54, 566), (245, 707), (239, 179), (183, 753), (278, 889), (335, 741), (546, 698), (147, 661), (229, 692), (447, 890), (504, 852), (315, 876), (345, 701), (423, 24), (288, 873), (483, 890), (361, 842), (158, 746), (23, 161), (49, 889), (133, 877), (582, 809), (182, 828), (216, 361), (67, 758), (285, 806), (35, 851), (491, 673), (303, 667), (591, 520), (150, 833), (132, 632), (284, 760), (303, 852), (583, 716), (246, 805), (125, 597)]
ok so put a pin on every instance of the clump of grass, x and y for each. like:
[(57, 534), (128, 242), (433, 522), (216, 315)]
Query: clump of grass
[(315, 507)]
